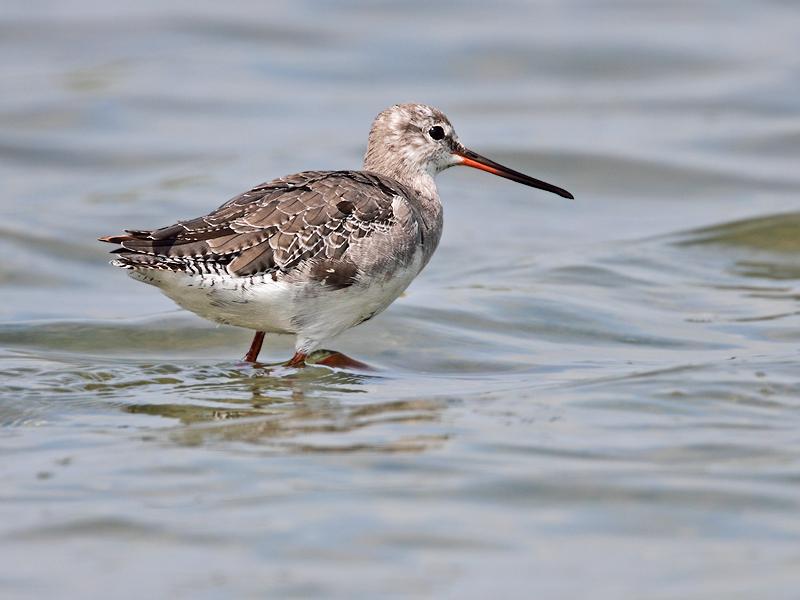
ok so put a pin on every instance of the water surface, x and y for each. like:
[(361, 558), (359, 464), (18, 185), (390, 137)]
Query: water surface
[(591, 397)]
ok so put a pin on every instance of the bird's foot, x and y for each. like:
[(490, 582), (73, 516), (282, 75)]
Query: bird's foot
[(298, 361), (331, 358)]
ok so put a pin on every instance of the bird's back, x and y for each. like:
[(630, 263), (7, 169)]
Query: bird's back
[(320, 223)]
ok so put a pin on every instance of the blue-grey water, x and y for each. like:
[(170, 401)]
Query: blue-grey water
[(598, 398)]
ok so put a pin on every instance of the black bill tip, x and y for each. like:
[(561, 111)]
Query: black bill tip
[(476, 161)]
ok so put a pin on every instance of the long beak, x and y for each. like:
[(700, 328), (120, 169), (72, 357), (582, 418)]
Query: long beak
[(476, 161)]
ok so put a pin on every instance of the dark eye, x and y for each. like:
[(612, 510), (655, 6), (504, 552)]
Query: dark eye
[(436, 132)]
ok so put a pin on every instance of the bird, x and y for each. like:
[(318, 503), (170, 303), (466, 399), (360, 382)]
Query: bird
[(315, 253)]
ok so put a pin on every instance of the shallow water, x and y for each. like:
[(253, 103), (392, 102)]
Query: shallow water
[(598, 397)]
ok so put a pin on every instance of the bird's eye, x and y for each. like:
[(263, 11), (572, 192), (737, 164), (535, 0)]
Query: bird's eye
[(436, 132)]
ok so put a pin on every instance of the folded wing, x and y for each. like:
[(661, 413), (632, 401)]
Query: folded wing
[(275, 227)]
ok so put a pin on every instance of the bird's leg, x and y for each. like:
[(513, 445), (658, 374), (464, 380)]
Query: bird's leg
[(255, 347), (298, 360), (342, 361)]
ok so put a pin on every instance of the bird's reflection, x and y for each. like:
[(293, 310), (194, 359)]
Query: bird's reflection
[(308, 410)]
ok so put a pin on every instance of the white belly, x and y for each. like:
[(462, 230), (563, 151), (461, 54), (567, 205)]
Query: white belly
[(311, 311)]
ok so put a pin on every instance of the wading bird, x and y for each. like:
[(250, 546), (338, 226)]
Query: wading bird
[(318, 252)]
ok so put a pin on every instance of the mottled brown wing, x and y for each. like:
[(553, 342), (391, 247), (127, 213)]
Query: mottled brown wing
[(273, 227)]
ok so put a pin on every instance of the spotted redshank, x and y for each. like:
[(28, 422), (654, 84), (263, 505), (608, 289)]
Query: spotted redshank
[(318, 252)]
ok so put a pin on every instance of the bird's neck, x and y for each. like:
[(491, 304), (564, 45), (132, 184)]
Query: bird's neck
[(424, 185), (419, 180)]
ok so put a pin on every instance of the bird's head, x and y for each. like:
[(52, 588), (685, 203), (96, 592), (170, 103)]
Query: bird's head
[(413, 141)]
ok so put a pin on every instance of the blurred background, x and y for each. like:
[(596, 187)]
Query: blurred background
[(598, 397)]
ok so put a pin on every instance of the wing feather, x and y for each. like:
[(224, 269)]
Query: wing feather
[(276, 226)]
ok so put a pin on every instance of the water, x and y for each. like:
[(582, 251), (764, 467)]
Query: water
[(598, 397)]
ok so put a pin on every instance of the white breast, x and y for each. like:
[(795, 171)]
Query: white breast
[(312, 311)]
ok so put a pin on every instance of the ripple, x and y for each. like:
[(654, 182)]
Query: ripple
[(598, 174), (774, 233), (586, 62), (49, 156), (119, 337)]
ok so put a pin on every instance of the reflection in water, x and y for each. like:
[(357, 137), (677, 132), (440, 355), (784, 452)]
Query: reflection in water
[(285, 407), (266, 404), (304, 427)]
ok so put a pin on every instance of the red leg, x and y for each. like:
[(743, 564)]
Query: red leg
[(255, 347), (342, 361), (298, 360)]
